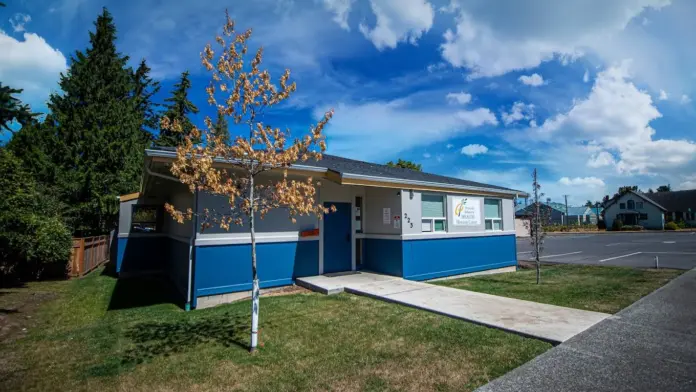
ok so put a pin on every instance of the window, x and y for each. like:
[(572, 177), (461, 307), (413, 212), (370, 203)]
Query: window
[(631, 205), (639, 205), (622, 206), (358, 214), (433, 213), (643, 216), (493, 214), (144, 219)]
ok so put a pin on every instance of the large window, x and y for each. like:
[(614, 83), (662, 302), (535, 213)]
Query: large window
[(144, 219), (433, 213), (622, 206), (493, 214), (631, 205)]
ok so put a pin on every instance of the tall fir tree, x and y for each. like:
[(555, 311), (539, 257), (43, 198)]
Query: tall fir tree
[(221, 129), (12, 108), (178, 109), (144, 89), (98, 131)]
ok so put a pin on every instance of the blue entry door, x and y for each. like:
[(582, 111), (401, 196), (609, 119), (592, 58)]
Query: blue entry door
[(337, 238)]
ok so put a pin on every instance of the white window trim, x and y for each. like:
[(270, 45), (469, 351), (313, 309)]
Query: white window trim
[(500, 212), (433, 219)]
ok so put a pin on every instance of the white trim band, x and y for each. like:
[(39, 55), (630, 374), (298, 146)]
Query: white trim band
[(434, 235), (245, 238)]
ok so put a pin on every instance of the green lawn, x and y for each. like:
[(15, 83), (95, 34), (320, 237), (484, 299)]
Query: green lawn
[(597, 288), (81, 337)]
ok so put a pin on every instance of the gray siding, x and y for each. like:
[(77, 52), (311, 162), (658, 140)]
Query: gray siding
[(655, 216), (376, 199)]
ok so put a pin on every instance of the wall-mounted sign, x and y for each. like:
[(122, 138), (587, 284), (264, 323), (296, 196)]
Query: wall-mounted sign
[(397, 222), (466, 211), (386, 216)]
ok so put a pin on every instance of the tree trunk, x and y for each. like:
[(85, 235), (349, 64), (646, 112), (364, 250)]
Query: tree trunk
[(255, 278)]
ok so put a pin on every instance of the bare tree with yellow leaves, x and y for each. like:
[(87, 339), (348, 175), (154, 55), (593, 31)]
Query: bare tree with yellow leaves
[(243, 92)]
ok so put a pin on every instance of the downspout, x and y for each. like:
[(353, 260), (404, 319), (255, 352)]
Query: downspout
[(192, 243)]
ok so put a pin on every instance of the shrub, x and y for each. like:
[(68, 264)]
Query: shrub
[(681, 224), (632, 228), (31, 232), (617, 225), (671, 226)]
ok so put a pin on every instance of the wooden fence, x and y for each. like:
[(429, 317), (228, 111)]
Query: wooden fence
[(88, 253)]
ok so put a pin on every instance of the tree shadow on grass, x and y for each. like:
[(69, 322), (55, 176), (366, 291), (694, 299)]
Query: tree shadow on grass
[(151, 340), (155, 339)]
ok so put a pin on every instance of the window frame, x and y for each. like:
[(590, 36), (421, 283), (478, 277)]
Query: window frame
[(500, 214), (629, 203), (622, 206), (157, 221), (432, 219), (639, 205), (641, 215)]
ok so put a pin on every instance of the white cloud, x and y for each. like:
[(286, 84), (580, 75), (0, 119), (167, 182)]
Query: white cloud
[(18, 21), (426, 155), (688, 182), (663, 95), (684, 100), (616, 118), (519, 111), (461, 98), (534, 80), (341, 10), (396, 126), (32, 65), (436, 67), (586, 76), (493, 38), (398, 21), (601, 159), (591, 182), (474, 149), (449, 145)]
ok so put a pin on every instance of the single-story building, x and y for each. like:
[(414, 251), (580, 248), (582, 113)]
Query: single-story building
[(635, 208), (581, 215), (554, 215), (680, 205), (394, 221)]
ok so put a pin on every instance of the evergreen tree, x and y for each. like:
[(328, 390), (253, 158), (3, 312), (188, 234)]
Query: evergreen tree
[(145, 88), (178, 109), (98, 131), (221, 129), (11, 108), (404, 164)]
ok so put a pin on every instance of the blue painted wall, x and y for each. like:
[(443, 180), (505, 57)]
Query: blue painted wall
[(436, 258), (383, 256), (142, 254), (227, 268), (177, 266)]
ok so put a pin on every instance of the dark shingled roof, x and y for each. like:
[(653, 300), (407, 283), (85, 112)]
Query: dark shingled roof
[(345, 165), (679, 201)]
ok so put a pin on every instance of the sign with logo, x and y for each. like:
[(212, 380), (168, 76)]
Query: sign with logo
[(466, 211)]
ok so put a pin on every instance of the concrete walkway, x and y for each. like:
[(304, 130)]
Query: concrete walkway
[(552, 323), (649, 346)]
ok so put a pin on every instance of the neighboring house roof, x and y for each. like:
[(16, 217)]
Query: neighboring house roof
[(675, 201), (526, 210), (351, 169), (573, 211), (639, 194)]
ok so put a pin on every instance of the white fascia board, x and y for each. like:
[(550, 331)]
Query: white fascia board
[(399, 181)]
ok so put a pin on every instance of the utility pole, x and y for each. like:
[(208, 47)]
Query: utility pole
[(566, 203)]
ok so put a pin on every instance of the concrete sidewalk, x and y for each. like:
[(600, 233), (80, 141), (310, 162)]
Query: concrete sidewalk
[(552, 323), (649, 346)]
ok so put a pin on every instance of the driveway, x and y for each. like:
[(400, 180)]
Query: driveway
[(674, 250), (555, 324), (649, 346)]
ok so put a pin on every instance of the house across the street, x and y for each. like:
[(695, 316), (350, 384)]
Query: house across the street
[(556, 214), (680, 205), (635, 208), (394, 221)]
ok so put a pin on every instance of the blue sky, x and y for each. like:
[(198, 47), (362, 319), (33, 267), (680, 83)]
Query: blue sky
[(595, 94)]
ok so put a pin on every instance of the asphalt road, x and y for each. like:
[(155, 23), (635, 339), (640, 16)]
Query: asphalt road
[(649, 346), (674, 250)]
